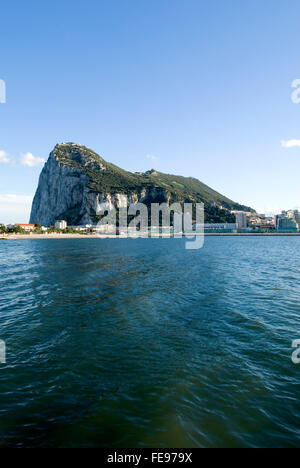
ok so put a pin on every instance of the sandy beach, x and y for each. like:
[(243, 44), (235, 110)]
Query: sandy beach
[(49, 236), (113, 236)]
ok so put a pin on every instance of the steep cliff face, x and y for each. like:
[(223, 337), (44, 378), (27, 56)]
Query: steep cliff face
[(61, 189), (75, 181), (70, 187)]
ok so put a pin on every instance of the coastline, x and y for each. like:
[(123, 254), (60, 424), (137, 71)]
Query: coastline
[(153, 236)]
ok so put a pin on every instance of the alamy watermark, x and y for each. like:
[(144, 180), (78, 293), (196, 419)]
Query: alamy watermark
[(295, 96), (2, 352), (296, 353), (158, 220), (2, 92)]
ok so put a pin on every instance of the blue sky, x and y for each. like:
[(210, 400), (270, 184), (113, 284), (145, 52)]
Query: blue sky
[(198, 88)]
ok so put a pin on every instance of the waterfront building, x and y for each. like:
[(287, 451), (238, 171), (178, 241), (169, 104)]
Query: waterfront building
[(287, 225), (266, 227), (217, 227), (220, 226), (262, 222), (291, 215), (297, 218), (26, 227), (278, 217), (241, 219), (83, 227), (61, 224)]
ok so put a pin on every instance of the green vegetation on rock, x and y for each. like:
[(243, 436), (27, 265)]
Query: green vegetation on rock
[(104, 177)]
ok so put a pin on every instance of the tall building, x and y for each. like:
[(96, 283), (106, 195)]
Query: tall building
[(297, 218), (61, 224), (278, 217), (241, 219), (288, 220), (287, 225)]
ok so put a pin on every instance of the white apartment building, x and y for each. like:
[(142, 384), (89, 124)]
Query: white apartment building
[(61, 224), (241, 219)]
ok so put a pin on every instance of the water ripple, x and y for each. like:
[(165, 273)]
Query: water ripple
[(141, 343)]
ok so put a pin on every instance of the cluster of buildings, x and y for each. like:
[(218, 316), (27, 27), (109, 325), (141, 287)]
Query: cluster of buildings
[(60, 225), (286, 222)]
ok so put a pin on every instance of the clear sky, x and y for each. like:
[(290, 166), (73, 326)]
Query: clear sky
[(193, 87)]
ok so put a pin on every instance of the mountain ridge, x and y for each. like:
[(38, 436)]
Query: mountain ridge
[(75, 180)]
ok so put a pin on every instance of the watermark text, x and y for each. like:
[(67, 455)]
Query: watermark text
[(296, 353), (158, 220), (2, 352), (2, 92), (295, 96)]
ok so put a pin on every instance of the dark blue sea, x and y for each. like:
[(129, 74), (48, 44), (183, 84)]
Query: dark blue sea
[(142, 343)]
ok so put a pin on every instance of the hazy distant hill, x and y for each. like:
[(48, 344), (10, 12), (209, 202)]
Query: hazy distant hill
[(75, 180)]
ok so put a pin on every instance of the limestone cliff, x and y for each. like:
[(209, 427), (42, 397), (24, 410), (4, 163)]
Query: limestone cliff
[(75, 180)]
